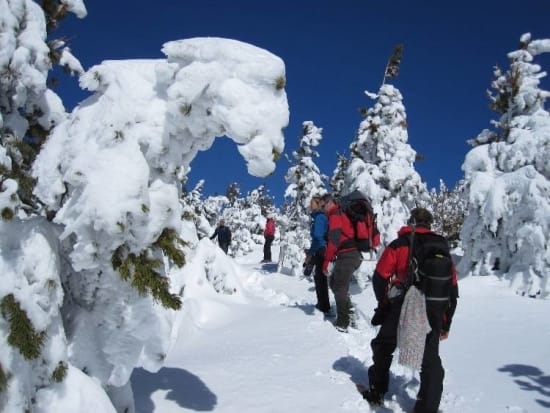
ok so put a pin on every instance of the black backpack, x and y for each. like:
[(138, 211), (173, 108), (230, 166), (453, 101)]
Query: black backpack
[(359, 210), (430, 266)]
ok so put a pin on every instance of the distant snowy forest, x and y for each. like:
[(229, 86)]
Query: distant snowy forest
[(97, 223)]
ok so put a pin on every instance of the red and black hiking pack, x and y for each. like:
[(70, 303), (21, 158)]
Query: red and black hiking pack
[(359, 210), (430, 265)]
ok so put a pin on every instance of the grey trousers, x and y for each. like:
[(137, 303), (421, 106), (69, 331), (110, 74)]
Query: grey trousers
[(345, 265)]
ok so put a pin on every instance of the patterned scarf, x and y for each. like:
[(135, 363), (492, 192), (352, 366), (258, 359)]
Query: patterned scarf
[(412, 329)]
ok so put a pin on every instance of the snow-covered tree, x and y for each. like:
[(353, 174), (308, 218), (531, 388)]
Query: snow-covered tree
[(260, 196), (233, 192), (194, 209), (338, 179), (33, 343), (28, 108), (110, 177), (507, 174), (246, 222), (449, 208), (305, 181), (382, 163)]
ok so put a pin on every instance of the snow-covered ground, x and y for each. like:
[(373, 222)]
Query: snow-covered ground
[(274, 353)]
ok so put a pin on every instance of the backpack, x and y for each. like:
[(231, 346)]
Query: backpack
[(431, 265), (359, 210)]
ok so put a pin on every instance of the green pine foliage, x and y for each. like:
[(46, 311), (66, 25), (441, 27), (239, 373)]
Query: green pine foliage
[(60, 372), (280, 83), (7, 214), (22, 333), (22, 156), (168, 242), (142, 270), (3, 379)]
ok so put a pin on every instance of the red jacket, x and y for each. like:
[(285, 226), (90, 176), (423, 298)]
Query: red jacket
[(269, 230), (340, 229), (395, 258), (392, 268)]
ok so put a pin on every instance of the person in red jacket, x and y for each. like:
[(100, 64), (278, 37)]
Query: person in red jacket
[(342, 249), (269, 236), (389, 280)]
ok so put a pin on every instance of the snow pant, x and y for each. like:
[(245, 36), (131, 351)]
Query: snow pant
[(431, 373), (224, 246), (321, 282), (267, 247), (344, 266)]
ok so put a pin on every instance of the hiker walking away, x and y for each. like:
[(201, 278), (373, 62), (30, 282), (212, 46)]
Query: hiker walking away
[(342, 249), (316, 253), (224, 235), (391, 279), (269, 236)]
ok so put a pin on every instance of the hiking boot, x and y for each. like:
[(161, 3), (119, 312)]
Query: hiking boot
[(323, 310), (340, 327), (373, 396)]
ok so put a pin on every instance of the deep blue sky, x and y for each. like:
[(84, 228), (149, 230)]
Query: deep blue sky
[(334, 51)]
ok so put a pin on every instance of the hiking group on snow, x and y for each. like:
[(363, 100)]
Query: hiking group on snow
[(414, 282)]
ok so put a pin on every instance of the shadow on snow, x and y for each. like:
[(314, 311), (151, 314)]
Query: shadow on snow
[(269, 267), (530, 378), (184, 388), (359, 375)]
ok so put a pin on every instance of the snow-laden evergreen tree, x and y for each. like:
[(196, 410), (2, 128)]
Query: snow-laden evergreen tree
[(382, 163), (233, 192), (449, 208), (194, 210), (305, 181), (28, 108), (246, 220), (213, 207), (109, 177), (337, 181), (507, 174), (33, 343), (261, 196)]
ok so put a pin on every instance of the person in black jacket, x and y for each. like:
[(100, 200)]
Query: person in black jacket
[(389, 280), (224, 235)]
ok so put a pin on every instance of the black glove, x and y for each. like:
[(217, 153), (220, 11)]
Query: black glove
[(308, 267), (380, 314)]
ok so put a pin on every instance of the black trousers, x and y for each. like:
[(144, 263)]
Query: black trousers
[(431, 373), (321, 281), (224, 246), (267, 247)]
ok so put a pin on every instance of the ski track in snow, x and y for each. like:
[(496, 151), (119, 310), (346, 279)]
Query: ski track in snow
[(404, 384)]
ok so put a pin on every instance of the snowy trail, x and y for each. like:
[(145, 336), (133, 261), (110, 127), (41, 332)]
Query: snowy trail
[(277, 354)]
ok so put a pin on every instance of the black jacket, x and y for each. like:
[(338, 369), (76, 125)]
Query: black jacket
[(223, 233)]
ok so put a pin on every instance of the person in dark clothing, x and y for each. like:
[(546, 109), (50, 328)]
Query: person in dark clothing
[(389, 280), (316, 253), (269, 236), (341, 249), (224, 235)]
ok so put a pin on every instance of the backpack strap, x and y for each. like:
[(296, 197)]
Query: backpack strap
[(412, 275)]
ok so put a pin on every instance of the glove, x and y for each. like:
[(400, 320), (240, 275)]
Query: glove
[(308, 267), (380, 314)]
